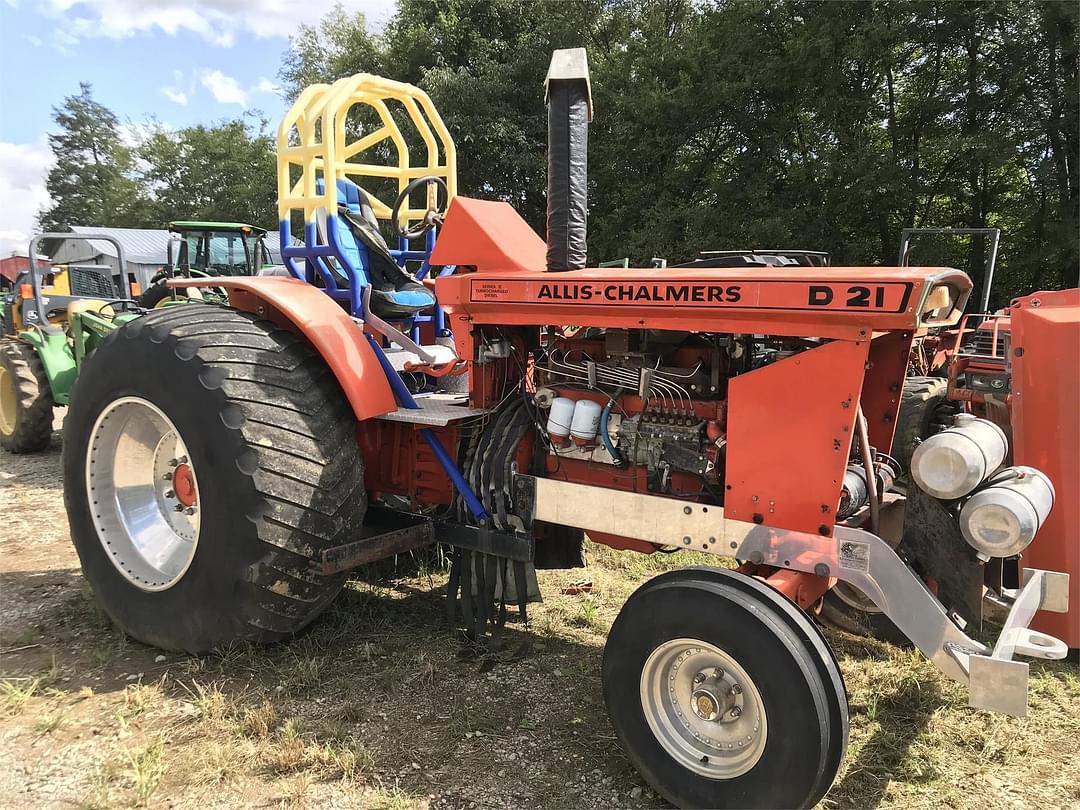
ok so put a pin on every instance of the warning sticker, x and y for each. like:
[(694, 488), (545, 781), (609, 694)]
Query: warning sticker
[(854, 556)]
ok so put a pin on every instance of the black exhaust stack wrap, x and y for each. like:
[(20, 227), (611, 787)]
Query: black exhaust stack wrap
[(569, 99)]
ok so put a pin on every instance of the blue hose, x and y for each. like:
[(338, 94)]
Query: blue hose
[(605, 437)]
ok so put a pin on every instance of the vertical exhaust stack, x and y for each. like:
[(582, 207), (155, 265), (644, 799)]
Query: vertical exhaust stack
[(569, 100)]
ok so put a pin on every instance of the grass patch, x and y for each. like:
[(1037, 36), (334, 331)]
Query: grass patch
[(392, 799), (15, 692)]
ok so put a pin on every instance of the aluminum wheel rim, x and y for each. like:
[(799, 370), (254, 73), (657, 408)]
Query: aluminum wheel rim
[(683, 684), (8, 402), (148, 530)]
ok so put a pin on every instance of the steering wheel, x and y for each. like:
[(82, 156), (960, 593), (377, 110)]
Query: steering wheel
[(431, 218)]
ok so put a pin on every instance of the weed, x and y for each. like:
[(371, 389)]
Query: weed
[(296, 791), (48, 723), (16, 693), (218, 762), (588, 615), (140, 698), (260, 721), (393, 799), (293, 729), (211, 705), (145, 768)]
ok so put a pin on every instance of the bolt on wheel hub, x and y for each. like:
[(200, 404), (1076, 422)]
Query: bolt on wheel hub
[(184, 485), (703, 708), (143, 493)]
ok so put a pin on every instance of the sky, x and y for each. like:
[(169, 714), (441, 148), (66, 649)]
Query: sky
[(176, 62)]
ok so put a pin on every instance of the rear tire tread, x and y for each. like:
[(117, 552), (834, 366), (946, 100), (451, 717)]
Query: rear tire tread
[(34, 403)]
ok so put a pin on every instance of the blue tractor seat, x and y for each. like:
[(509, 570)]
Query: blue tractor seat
[(395, 293)]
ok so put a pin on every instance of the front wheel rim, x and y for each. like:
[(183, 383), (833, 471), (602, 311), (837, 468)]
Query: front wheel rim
[(8, 402), (143, 493), (703, 708)]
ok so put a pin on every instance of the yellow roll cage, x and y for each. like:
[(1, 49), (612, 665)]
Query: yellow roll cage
[(313, 136)]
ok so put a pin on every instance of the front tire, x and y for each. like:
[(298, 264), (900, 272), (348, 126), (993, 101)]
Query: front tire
[(206, 427), (26, 405), (724, 694)]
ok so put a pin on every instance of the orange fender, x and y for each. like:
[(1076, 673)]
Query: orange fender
[(327, 327)]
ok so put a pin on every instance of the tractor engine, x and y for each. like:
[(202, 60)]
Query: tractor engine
[(650, 402), (641, 410)]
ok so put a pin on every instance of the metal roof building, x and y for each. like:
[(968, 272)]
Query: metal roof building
[(145, 250)]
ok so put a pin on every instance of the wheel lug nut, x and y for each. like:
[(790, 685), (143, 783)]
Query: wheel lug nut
[(736, 711), (178, 508), (718, 673), (170, 494), (190, 510), (699, 678), (736, 689), (167, 476)]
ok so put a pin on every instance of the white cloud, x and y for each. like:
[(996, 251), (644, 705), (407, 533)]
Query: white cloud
[(23, 167), (224, 89), (267, 86), (63, 41), (35, 41), (220, 22), (175, 96), (181, 90)]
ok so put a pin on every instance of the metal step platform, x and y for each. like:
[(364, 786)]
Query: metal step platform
[(436, 410)]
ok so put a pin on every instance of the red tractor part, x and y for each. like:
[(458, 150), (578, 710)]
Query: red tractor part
[(1045, 350)]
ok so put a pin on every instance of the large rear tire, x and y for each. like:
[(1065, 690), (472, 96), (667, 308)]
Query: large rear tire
[(26, 405), (724, 694), (209, 459)]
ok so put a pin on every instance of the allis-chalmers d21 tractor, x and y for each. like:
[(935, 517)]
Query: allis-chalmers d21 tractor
[(474, 386)]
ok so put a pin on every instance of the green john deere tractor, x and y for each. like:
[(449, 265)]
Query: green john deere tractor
[(57, 314), (53, 317), (207, 249)]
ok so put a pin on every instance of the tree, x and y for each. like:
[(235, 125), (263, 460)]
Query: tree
[(224, 172), (763, 122), (91, 181)]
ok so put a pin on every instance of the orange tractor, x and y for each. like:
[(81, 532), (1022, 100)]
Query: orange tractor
[(225, 466)]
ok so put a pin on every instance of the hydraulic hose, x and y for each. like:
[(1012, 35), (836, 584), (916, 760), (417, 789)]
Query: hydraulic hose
[(605, 437), (871, 472)]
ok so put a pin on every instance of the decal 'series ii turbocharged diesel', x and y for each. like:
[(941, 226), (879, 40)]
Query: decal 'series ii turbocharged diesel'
[(224, 466)]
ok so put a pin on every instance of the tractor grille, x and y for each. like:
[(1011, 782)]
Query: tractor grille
[(91, 283), (981, 342)]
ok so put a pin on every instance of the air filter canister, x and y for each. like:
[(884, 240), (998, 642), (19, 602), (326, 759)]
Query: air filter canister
[(1001, 519), (952, 463)]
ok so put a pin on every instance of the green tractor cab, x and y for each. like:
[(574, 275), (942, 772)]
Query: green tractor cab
[(208, 249)]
